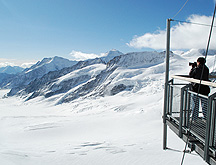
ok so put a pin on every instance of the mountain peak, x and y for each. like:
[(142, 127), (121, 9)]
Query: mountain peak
[(111, 54), (52, 64), (58, 58), (114, 50)]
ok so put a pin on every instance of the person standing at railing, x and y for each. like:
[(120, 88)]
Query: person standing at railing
[(199, 69)]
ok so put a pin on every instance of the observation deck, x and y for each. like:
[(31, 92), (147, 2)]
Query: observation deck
[(198, 133)]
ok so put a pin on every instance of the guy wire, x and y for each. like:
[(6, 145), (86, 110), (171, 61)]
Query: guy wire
[(180, 9), (195, 23)]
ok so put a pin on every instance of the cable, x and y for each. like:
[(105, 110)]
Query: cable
[(200, 80), (180, 9), (201, 24)]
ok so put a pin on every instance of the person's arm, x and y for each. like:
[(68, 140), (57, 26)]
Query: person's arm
[(192, 72)]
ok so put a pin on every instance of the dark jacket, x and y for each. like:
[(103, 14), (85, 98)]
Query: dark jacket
[(196, 74)]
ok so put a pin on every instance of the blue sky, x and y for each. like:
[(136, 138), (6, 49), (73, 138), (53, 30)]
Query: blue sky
[(34, 29)]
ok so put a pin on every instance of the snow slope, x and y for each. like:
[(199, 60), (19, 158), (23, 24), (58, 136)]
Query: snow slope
[(124, 128)]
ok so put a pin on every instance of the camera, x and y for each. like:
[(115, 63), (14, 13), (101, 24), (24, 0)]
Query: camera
[(193, 64)]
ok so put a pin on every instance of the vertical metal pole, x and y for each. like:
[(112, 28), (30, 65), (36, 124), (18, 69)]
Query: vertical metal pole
[(182, 109), (181, 112), (208, 129), (185, 108), (212, 133), (188, 109), (166, 86), (171, 100)]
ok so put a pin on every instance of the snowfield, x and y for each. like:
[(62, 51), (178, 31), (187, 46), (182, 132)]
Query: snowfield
[(111, 130), (121, 129)]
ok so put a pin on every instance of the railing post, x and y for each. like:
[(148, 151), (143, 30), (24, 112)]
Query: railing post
[(188, 108), (185, 108), (208, 128), (171, 98), (166, 86), (182, 105), (212, 133)]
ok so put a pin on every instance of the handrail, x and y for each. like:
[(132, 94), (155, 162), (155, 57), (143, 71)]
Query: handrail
[(187, 78)]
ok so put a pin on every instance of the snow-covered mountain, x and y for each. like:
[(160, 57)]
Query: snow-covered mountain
[(39, 85), (11, 69), (93, 78), (37, 71), (126, 73), (50, 64), (138, 59), (43, 67), (8, 73)]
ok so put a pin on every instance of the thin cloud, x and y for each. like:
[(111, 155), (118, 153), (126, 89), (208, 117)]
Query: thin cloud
[(78, 56), (4, 64), (183, 36), (27, 64), (13, 62)]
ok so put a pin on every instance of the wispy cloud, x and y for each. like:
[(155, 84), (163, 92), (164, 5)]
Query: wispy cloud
[(77, 55), (13, 62), (183, 36), (4, 64), (27, 64)]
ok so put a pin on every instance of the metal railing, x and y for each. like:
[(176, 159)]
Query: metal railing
[(194, 115)]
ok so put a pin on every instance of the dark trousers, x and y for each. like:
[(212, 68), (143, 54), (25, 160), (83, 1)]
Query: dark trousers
[(195, 106)]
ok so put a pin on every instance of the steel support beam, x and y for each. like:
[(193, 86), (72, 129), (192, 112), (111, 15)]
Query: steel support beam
[(165, 110)]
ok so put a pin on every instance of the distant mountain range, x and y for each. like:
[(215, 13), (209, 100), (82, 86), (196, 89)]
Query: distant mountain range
[(11, 69), (41, 68), (61, 80), (9, 72)]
